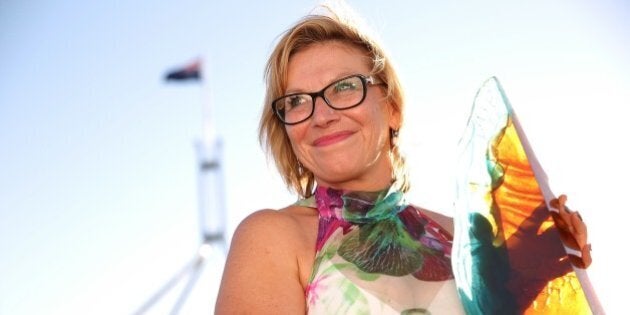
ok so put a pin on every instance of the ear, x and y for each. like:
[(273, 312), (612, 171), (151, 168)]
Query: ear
[(395, 116)]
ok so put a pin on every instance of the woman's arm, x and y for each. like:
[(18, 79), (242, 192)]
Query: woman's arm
[(261, 273)]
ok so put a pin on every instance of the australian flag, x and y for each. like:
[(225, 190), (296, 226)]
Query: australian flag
[(191, 71)]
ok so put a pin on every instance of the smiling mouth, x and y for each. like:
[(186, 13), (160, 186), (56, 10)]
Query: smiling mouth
[(332, 138)]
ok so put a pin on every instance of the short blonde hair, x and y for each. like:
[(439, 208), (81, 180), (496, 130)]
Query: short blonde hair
[(272, 134)]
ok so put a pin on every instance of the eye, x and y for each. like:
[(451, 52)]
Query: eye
[(294, 101), (346, 85)]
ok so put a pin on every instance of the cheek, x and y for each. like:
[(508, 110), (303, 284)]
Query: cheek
[(294, 132), (379, 109), (296, 136), (379, 119)]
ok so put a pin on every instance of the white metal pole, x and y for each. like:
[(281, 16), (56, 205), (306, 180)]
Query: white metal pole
[(212, 210)]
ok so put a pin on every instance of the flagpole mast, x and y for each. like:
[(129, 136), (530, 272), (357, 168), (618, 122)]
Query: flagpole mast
[(211, 202), (212, 218)]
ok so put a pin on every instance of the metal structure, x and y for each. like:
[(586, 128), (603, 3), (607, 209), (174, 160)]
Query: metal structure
[(211, 202)]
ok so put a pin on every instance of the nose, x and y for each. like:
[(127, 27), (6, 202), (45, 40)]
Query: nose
[(323, 114)]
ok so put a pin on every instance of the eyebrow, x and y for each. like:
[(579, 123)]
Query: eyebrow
[(337, 78)]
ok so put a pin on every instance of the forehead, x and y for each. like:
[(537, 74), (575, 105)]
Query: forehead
[(319, 64)]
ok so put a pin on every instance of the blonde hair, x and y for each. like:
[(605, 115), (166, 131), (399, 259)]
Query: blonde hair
[(310, 30)]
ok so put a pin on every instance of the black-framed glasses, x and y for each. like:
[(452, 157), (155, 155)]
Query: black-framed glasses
[(342, 94)]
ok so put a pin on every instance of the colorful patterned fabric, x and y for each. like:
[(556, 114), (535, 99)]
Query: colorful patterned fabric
[(508, 255), (376, 254)]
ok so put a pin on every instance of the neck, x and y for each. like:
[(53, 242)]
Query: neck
[(374, 178), (356, 185)]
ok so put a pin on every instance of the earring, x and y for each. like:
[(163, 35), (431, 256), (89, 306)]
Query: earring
[(393, 133)]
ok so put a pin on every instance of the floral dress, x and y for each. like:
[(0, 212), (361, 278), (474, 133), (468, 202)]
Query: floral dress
[(376, 254)]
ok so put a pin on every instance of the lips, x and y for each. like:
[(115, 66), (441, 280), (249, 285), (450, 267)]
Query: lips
[(332, 138)]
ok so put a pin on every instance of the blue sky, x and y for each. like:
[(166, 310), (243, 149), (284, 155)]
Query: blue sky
[(98, 195)]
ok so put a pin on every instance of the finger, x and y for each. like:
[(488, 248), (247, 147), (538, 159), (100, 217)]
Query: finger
[(554, 203), (564, 214), (586, 256), (558, 204), (562, 200), (579, 227), (562, 208)]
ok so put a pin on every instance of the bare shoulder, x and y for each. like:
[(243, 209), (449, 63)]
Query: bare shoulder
[(445, 221), (263, 272), (275, 237), (282, 226), (266, 223)]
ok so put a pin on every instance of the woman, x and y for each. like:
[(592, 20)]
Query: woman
[(352, 244)]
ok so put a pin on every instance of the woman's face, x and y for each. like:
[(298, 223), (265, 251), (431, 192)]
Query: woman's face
[(345, 149)]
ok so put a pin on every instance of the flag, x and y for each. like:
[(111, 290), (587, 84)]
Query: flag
[(191, 71), (508, 257)]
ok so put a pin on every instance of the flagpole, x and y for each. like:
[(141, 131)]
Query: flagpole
[(211, 202), (212, 214)]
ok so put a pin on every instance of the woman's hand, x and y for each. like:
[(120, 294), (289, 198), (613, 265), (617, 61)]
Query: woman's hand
[(573, 231)]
